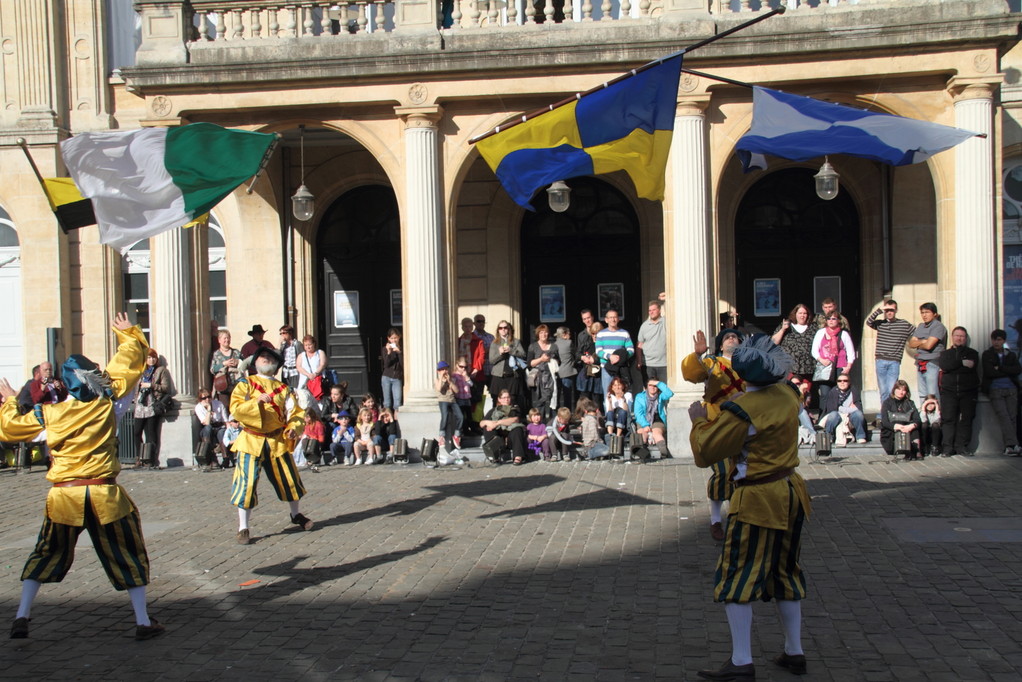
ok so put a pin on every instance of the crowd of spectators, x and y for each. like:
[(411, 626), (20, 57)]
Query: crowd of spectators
[(948, 380)]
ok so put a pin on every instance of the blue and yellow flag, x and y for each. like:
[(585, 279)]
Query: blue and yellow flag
[(626, 126)]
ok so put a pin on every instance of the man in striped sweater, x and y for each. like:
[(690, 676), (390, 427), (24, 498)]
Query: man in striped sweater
[(892, 335), (609, 342)]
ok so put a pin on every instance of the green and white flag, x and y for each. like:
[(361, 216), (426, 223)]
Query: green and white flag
[(144, 182)]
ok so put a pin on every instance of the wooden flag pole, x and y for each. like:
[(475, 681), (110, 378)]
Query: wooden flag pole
[(633, 72)]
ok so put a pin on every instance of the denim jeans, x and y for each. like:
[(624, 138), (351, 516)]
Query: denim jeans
[(858, 422), (452, 412), (391, 392), (887, 374), (928, 382)]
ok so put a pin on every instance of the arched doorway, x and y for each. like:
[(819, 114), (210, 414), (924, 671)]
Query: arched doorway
[(591, 253), (790, 242), (359, 247), (12, 352)]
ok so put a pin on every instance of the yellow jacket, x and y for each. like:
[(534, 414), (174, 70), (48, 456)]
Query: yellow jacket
[(279, 422), (82, 437), (771, 413), (721, 381)]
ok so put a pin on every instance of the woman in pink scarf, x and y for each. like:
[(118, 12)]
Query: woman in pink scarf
[(833, 349)]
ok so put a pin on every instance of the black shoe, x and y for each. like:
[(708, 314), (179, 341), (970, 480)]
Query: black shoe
[(144, 632), (20, 628), (244, 537), (302, 520), (793, 664), (730, 671)]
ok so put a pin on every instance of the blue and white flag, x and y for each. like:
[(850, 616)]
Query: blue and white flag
[(801, 128)]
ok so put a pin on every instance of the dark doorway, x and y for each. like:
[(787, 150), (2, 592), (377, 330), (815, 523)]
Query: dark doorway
[(359, 246), (784, 232), (591, 250)]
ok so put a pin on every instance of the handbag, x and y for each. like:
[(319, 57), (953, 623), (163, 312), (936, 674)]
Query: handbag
[(532, 377), (220, 383), (315, 387), (593, 370), (823, 372), (161, 406)]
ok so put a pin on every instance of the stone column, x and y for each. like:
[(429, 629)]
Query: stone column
[(41, 70), (173, 335), (690, 287), (975, 234), (975, 227), (424, 297)]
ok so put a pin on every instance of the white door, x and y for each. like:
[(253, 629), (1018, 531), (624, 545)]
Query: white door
[(12, 352)]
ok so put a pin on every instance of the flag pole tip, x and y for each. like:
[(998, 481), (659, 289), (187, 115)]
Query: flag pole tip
[(21, 142)]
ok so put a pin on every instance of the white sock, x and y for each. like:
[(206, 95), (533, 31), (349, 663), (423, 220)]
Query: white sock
[(790, 612), (243, 517), (715, 506), (294, 507), (29, 589), (739, 619), (137, 596)]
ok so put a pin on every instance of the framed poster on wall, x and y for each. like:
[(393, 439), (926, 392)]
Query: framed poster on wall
[(611, 296), (345, 309), (826, 287), (396, 310), (551, 303), (767, 297)]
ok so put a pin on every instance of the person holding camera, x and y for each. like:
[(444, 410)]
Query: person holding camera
[(892, 335), (151, 404), (393, 371)]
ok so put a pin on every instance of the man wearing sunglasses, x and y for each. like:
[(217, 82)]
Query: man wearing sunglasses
[(841, 404)]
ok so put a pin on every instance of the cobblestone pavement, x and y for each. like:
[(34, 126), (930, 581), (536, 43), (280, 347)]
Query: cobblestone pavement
[(547, 571)]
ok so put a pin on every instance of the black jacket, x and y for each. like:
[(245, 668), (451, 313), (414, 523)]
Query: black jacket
[(995, 368), (833, 401), (958, 378)]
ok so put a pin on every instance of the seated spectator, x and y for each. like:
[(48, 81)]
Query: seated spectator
[(212, 419), (843, 404), (959, 391), (1000, 382), (930, 427), (369, 403), (806, 431), (558, 444), (617, 407), (388, 430), (503, 425), (311, 442), (593, 446), (535, 433), (898, 413), (342, 441), (367, 444), (338, 401), (649, 409), (231, 433)]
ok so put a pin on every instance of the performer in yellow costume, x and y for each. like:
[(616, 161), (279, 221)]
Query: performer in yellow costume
[(760, 556), (82, 435), (271, 421), (722, 383)]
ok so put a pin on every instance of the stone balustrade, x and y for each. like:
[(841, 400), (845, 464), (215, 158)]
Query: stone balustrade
[(233, 20)]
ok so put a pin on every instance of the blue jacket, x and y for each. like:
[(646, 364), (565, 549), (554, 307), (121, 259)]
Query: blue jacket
[(641, 400)]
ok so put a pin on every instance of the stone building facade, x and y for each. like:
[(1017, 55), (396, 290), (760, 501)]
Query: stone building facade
[(376, 102)]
